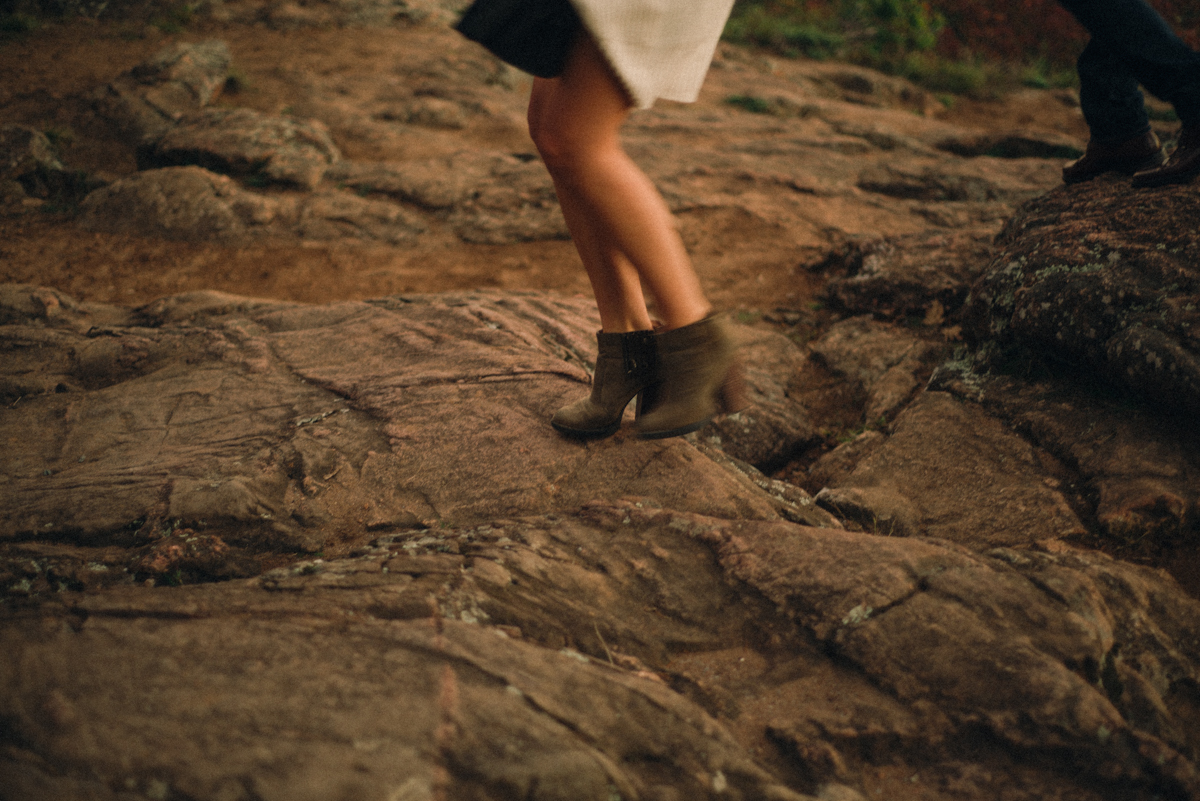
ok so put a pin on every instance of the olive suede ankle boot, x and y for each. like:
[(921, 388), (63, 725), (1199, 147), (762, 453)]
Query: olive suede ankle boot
[(625, 365), (698, 376)]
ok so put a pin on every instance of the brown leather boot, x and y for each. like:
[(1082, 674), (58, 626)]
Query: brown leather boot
[(1139, 153), (1181, 167), (698, 376), (625, 365)]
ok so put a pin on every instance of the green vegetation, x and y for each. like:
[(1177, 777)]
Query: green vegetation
[(1042, 74), (754, 24), (895, 28), (174, 18), (866, 30), (1163, 115), (16, 26), (775, 106), (60, 136), (851, 433), (906, 38), (944, 76), (18, 18), (751, 103)]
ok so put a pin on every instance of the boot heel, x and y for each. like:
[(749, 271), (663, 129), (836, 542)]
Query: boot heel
[(645, 401), (732, 396), (697, 377)]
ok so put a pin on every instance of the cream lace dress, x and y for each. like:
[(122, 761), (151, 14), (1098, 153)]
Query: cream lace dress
[(658, 48)]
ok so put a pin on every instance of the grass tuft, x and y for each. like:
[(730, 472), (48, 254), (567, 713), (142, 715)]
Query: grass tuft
[(751, 103), (786, 36), (175, 19), (907, 38), (14, 27)]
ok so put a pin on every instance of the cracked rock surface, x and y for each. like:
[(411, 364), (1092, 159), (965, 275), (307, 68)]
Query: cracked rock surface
[(422, 589), (1104, 278), (287, 303), (287, 427), (580, 655)]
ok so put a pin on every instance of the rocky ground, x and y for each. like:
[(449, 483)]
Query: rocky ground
[(288, 303)]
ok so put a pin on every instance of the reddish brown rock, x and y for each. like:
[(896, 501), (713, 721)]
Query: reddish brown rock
[(950, 470), (146, 101), (371, 708), (1134, 471), (776, 426), (243, 142), (1104, 277), (884, 364), (191, 203), (487, 197), (834, 467), (1014, 144), (342, 216), (24, 150), (433, 184), (402, 444), (927, 184), (898, 278), (937, 625), (178, 203), (281, 427), (594, 639)]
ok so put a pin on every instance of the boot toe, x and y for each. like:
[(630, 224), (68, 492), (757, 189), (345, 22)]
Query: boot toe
[(581, 421), (1133, 155), (1180, 168)]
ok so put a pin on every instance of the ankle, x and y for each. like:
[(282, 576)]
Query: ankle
[(686, 317), (625, 323)]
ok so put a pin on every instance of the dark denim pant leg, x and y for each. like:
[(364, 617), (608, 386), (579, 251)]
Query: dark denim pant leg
[(1109, 96), (1136, 37)]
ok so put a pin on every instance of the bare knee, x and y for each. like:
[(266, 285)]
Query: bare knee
[(561, 145), (563, 134)]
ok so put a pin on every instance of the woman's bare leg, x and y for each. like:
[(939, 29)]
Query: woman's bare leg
[(615, 282), (622, 228)]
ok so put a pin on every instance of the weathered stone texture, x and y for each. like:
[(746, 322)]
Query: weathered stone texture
[(950, 470), (432, 655), (1103, 277), (181, 78), (243, 142), (289, 427)]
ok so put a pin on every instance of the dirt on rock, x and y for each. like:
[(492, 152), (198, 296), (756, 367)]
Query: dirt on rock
[(758, 195), (286, 301)]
